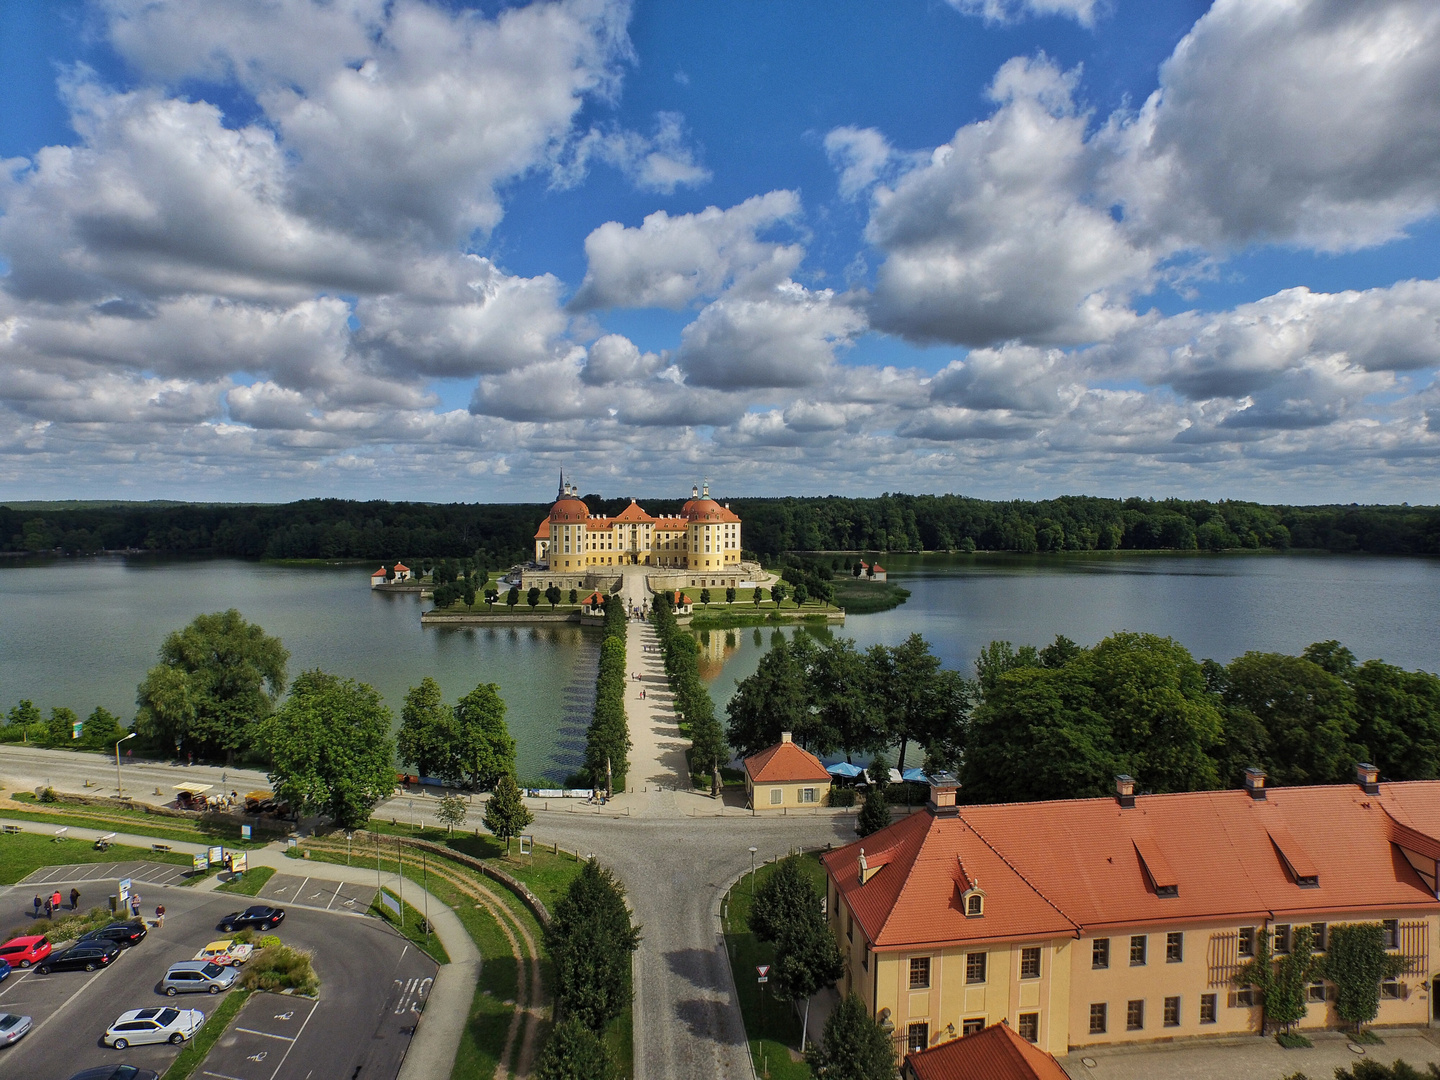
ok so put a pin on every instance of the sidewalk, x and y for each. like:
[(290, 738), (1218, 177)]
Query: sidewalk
[(659, 779)]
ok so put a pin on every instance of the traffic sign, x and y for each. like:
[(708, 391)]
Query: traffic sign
[(762, 970), (763, 979)]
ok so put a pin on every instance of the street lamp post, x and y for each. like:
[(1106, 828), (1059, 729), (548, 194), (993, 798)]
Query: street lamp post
[(119, 791), (753, 850)]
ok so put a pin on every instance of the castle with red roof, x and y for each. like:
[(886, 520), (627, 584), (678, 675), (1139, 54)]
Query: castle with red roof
[(703, 537)]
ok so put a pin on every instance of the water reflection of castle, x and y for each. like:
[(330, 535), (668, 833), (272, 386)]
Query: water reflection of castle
[(716, 646)]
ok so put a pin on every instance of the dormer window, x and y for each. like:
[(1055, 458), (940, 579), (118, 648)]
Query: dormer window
[(974, 902)]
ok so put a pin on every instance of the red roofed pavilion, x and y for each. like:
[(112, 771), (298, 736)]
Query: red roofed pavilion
[(993, 1053), (784, 776)]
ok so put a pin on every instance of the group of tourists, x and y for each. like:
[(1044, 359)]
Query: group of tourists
[(53, 903)]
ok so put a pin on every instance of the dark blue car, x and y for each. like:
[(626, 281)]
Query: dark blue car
[(4, 970)]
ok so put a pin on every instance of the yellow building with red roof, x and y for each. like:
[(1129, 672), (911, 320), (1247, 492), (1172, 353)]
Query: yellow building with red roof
[(704, 536), (784, 777), (1089, 921)]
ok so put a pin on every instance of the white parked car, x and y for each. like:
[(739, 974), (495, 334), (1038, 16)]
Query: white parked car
[(153, 1026)]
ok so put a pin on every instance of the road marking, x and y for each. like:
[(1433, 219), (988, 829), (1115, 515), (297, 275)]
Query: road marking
[(276, 1073), (40, 1026), (338, 887), (220, 1076), (268, 1034)]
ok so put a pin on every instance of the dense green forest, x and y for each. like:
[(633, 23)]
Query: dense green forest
[(499, 534)]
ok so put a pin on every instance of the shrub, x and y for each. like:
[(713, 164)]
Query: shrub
[(841, 796), (48, 795), (1292, 1040), (279, 967)]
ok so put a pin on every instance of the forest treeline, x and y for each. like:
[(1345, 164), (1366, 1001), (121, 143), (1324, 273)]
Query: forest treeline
[(500, 534), (1062, 721)]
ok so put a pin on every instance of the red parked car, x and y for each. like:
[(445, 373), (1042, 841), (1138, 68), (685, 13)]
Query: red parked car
[(24, 951)]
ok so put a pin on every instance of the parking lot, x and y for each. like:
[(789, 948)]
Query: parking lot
[(150, 873), (354, 1030), (332, 896)]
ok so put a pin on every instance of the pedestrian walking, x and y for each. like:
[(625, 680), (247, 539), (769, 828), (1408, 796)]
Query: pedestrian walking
[(74, 899), (55, 900), (38, 903), (49, 911), (159, 914)]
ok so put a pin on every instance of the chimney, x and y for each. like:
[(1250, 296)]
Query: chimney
[(1368, 777), (1255, 783), (785, 737), (943, 786), (1125, 790)]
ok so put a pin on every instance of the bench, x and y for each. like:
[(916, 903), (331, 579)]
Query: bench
[(160, 847), (10, 828)]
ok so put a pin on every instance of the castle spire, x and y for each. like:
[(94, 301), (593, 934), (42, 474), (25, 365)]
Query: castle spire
[(705, 492)]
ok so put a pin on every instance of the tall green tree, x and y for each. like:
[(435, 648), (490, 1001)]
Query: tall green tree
[(1161, 713), (59, 730), (506, 814), (1397, 714), (845, 700), (426, 739), (1306, 712), (217, 678), (330, 748), (854, 1046), (484, 748), (591, 939), (26, 717), (102, 729), (775, 699), (783, 899), (807, 960), (574, 1052)]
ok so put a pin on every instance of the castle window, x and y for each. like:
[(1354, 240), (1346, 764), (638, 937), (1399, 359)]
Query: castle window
[(1030, 963), (1100, 953)]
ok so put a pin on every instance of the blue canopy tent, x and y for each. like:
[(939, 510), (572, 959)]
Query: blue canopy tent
[(845, 769), (916, 776)]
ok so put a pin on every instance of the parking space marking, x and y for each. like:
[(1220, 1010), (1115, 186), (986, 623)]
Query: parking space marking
[(221, 1076), (268, 1034)]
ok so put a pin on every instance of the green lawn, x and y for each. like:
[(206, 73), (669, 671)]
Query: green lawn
[(249, 883), (773, 1032), (411, 928), (24, 807), (21, 854), (215, 1025), (547, 873)]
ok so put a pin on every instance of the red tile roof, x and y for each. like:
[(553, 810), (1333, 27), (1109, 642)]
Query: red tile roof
[(401, 568), (379, 573), (995, 1053), (785, 762), (1067, 866)]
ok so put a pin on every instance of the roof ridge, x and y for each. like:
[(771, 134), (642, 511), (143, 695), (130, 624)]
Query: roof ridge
[(1016, 871)]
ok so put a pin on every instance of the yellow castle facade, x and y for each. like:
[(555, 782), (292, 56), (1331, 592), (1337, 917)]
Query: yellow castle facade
[(704, 536)]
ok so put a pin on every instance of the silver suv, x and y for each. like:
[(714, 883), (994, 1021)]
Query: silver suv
[(195, 976)]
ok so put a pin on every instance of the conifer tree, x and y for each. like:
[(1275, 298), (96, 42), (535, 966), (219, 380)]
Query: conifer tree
[(574, 1052), (854, 1046), (875, 814)]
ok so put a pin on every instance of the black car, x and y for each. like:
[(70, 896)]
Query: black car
[(117, 1072), (82, 956), (260, 917), (124, 934)]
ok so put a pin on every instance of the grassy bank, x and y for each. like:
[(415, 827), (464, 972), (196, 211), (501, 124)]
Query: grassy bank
[(546, 872), (249, 883), (411, 927), (771, 1026), (21, 854), (23, 806)]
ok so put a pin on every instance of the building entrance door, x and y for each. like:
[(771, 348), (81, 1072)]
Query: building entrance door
[(1435, 998)]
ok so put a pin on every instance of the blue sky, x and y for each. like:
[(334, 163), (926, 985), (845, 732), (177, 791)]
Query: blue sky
[(1003, 247)]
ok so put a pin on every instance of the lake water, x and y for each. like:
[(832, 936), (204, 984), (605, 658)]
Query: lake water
[(82, 632), (1217, 606)]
